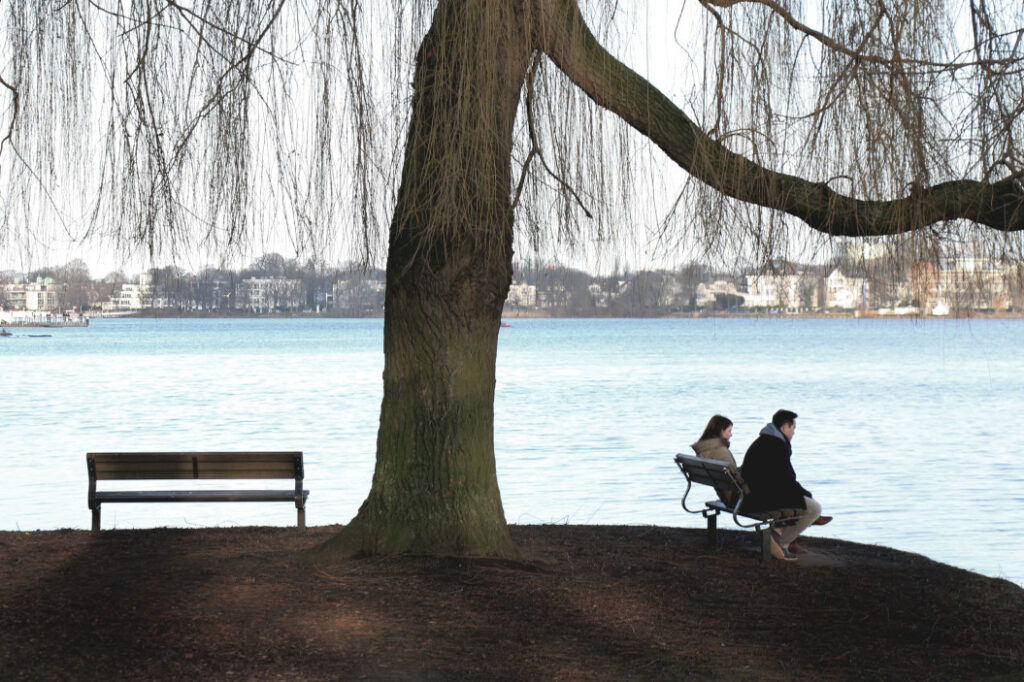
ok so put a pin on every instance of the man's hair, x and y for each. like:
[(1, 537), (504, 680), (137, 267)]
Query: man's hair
[(783, 417)]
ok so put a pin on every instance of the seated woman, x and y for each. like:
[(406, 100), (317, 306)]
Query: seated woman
[(714, 444)]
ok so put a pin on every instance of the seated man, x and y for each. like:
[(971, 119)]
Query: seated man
[(773, 485)]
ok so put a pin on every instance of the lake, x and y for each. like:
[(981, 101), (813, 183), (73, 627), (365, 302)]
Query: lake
[(909, 431)]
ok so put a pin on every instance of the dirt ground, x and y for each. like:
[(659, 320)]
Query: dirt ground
[(589, 603)]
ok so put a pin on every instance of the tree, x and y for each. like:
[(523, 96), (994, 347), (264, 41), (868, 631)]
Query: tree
[(271, 265), (78, 285), (917, 134), (216, 289), (174, 287), (689, 276)]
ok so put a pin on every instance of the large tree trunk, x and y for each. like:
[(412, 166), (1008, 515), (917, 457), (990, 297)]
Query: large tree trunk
[(449, 268), (449, 264)]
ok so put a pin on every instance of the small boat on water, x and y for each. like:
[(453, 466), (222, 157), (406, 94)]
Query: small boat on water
[(4, 332)]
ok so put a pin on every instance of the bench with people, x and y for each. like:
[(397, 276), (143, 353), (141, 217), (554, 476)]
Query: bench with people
[(764, 489)]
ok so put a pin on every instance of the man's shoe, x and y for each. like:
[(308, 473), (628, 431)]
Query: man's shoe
[(821, 520), (778, 551), (796, 549)]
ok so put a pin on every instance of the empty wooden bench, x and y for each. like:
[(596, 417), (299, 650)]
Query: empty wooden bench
[(166, 466), (724, 476)]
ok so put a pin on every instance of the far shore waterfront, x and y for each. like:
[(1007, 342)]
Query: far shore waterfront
[(543, 314), (585, 603)]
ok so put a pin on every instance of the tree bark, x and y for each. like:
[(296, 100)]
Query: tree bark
[(449, 268)]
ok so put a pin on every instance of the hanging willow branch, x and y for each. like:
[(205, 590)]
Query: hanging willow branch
[(14, 113), (611, 84), (858, 53), (220, 124)]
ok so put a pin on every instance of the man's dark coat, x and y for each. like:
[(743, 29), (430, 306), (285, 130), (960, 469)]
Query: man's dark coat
[(768, 472)]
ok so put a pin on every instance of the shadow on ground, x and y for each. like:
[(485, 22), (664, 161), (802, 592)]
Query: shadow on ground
[(601, 603)]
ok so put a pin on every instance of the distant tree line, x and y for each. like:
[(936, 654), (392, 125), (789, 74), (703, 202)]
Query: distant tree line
[(275, 284), (212, 289)]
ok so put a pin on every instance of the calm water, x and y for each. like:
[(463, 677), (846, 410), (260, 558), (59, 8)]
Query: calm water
[(909, 432)]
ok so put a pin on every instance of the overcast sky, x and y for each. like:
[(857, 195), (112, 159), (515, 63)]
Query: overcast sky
[(648, 33)]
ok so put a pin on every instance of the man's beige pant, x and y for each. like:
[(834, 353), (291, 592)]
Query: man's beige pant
[(788, 534)]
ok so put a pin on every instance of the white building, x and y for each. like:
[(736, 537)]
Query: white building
[(266, 294), (846, 292), (132, 296), (967, 283), (707, 294), (42, 295), (522, 295), (783, 291), (599, 296)]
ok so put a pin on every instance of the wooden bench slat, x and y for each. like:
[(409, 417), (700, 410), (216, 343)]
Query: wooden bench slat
[(159, 472), (202, 454), (183, 465), (198, 495)]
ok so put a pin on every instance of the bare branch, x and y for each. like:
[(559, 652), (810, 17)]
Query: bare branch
[(854, 53), (254, 45), (535, 148), (15, 96), (611, 84), (530, 76)]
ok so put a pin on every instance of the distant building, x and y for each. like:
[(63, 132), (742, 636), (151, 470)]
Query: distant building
[(267, 294), (961, 283), (522, 295), (970, 283), (783, 286), (132, 296), (707, 295), (358, 297), (557, 296), (599, 296), (42, 294), (846, 291)]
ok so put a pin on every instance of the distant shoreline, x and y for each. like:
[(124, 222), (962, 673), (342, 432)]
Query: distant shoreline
[(542, 314)]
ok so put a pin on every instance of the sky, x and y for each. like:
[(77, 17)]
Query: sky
[(647, 38), (651, 38)]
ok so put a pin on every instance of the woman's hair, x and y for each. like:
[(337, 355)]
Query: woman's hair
[(715, 426)]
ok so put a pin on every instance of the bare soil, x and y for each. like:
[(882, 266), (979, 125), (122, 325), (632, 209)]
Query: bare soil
[(588, 603)]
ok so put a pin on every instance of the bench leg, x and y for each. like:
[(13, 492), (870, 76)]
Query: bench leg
[(96, 518), (302, 518), (766, 544), (713, 530)]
